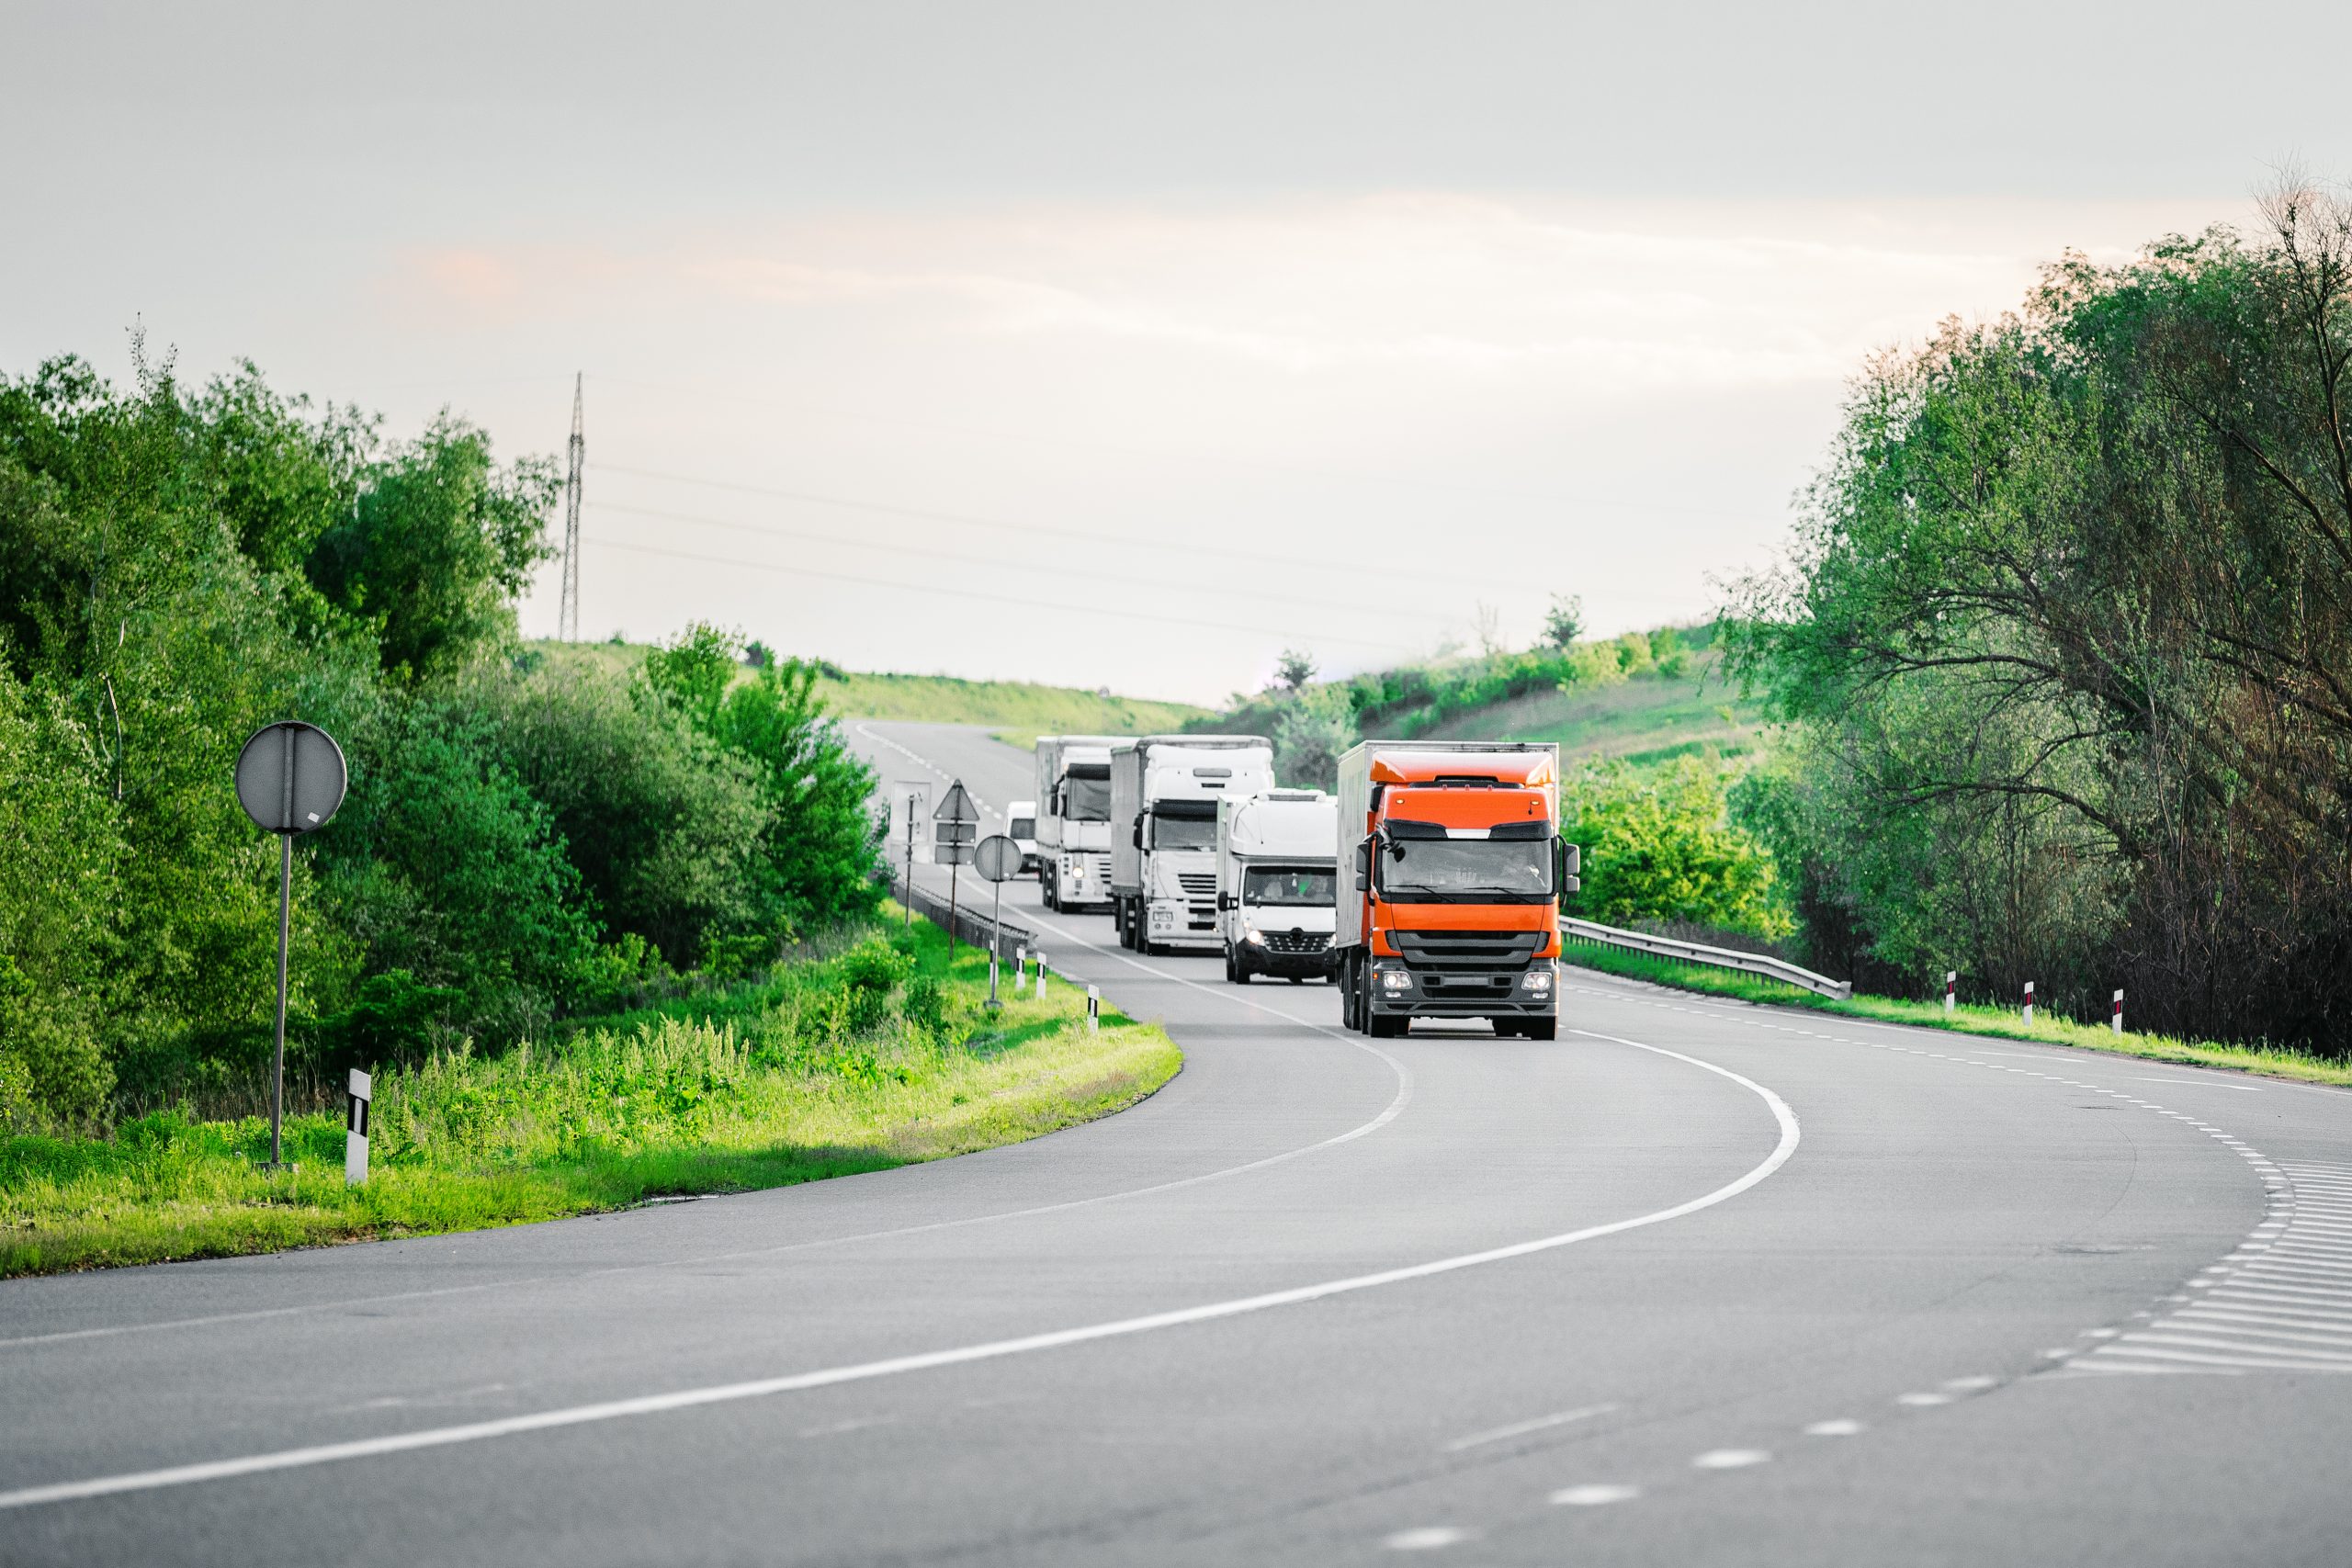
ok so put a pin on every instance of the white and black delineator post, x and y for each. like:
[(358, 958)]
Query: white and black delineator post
[(1952, 989), (2028, 1001), (1094, 1010), (1041, 977), (290, 778), (1019, 969), (2118, 1019), (354, 1142)]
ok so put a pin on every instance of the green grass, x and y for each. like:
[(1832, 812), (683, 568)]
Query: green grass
[(801, 1077), (1648, 717), (1999, 1022), (1023, 710)]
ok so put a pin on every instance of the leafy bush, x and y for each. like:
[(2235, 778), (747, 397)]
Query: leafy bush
[(1661, 846)]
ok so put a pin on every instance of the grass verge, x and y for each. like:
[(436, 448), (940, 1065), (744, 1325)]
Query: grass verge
[(879, 1055), (1999, 1022)]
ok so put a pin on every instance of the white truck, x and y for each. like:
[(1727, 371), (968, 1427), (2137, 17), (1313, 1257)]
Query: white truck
[(1164, 790), (1021, 827), (1277, 883), (1074, 820)]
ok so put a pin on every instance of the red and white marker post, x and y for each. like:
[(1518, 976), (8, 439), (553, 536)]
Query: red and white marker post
[(2029, 1002), (1952, 989), (2118, 1019)]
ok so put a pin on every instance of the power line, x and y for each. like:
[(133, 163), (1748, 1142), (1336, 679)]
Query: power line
[(1058, 605), (1123, 579), (967, 520), (1387, 480)]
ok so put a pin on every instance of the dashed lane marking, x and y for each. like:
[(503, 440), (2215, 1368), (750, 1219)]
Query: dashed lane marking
[(1522, 1429)]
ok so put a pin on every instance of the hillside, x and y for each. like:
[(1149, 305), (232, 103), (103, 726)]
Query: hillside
[(1648, 717), (1022, 709)]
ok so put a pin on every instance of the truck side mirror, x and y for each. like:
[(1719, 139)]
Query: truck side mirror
[(1363, 866), (1223, 902), (1567, 864), (1139, 832)]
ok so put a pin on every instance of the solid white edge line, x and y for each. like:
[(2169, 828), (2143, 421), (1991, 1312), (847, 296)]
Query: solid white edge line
[(649, 1405)]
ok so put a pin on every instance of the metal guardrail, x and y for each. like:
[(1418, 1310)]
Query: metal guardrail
[(1719, 957), (971, 926)]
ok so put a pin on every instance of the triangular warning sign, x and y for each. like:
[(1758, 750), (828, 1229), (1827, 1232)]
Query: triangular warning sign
[(957, 806)]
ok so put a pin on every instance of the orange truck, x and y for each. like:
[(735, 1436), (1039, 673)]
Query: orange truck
[(1459, 870)]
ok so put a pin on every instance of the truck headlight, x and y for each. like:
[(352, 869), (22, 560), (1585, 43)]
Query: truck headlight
[(1250, 935), (1395, 980), (1536, 982)]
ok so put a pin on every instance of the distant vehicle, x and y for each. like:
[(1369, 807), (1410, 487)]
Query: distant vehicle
[(1457, 866), (1277, 883), (1164, 790), (1074, 820), (1021, 827)]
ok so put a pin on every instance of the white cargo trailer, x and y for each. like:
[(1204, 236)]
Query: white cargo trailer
[(1074, 820), (1164, 790), (1277, 883)]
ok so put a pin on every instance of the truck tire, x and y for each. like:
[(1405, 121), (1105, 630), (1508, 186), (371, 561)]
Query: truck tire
[(1387, 1026), (1045, 890), (1343, 977)]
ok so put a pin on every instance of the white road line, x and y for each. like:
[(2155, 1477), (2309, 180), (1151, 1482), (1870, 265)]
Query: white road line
[(721, 1393), (1521, 1428), (1594, 1494), (1730, 1459), (2206, 1083)]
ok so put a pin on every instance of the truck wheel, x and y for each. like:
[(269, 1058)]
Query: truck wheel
[(1387, 1026), (1344, 977)]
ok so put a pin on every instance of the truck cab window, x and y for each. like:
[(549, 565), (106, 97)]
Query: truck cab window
[(1290, 885), (1466, 870)]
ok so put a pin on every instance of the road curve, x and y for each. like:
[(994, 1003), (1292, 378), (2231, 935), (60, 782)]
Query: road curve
[(1696, 1282)]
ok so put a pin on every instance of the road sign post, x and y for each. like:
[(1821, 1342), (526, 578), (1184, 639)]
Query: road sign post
[(954, 826), (290, 777), (997, 858)]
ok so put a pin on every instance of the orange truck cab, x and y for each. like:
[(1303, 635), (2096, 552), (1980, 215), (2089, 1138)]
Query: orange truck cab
[(1458, 872)]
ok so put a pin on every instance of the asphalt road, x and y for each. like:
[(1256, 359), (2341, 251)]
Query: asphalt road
[(1697, 1283)]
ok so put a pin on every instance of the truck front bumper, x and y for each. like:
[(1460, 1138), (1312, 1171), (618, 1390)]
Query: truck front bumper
[(1533, 992)]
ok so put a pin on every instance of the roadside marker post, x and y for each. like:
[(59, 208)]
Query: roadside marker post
[(1952, 989), (2119, 1012), (290, 778), (1019, 969), (1041, 977), (2028, 1001), (354, 1142), (1093, 1010)]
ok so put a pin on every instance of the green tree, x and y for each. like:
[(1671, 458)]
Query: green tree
[(1662, 846), (440, 543)]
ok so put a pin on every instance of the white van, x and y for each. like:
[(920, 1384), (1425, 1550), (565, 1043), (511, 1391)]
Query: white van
[(1021, 827)]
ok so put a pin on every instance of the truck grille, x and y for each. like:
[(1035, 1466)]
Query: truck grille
[(1197, 884), (1463, 955), (1296, 942)]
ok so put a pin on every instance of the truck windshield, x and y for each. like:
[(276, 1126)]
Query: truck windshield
[(1468, 871), (1022, 827), (1085, 799), (1184, 832), (1290, 885)]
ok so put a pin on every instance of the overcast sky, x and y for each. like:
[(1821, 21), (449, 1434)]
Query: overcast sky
[(1120, 345)]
